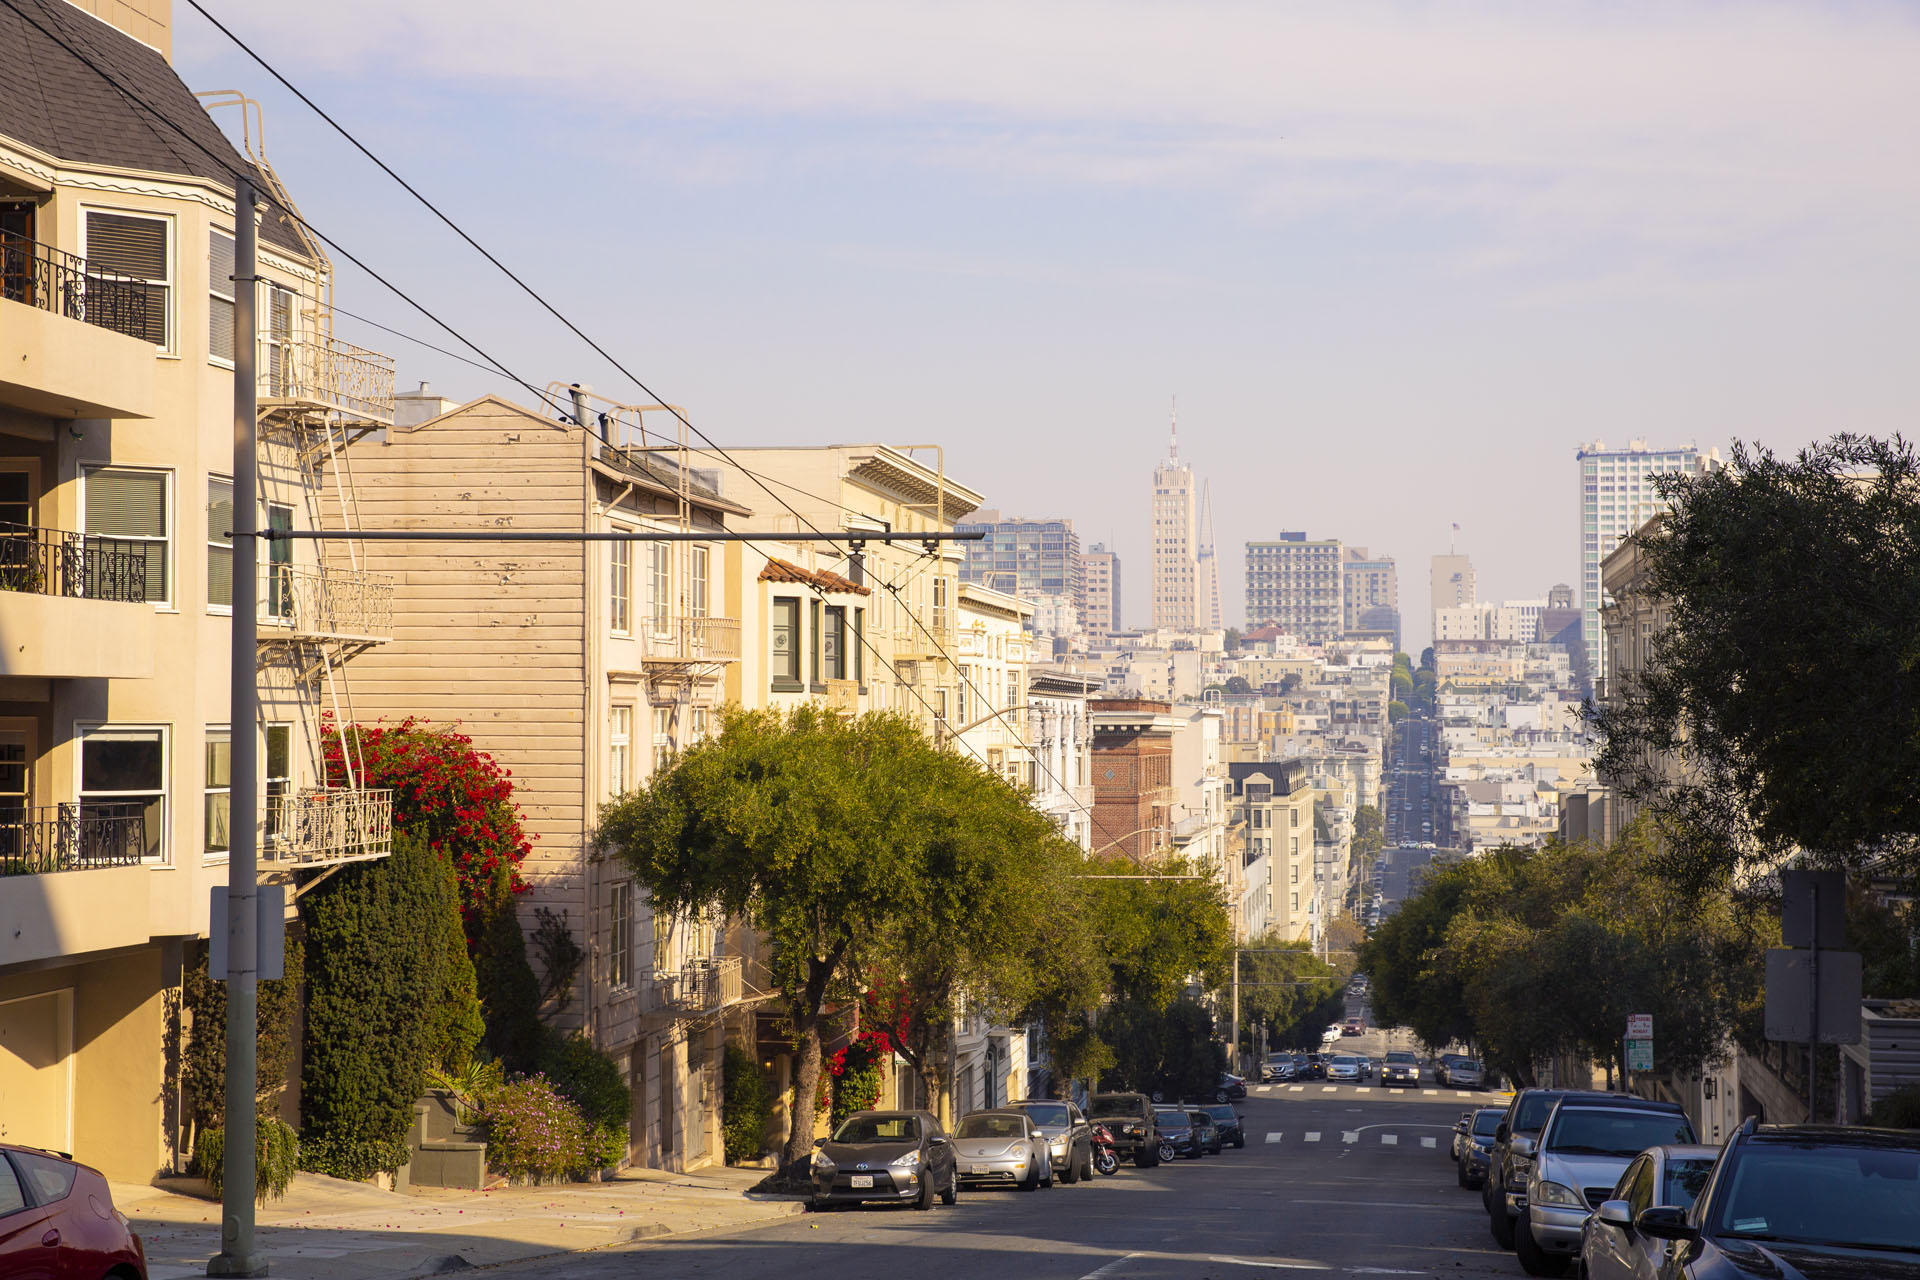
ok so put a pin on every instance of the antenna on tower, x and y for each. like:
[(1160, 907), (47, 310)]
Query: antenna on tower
[(1173, 446)]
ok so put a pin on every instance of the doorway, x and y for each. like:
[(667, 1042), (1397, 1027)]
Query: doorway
[(36, 1070)]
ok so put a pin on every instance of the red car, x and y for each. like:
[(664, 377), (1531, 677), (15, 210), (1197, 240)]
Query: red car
[(1353, 1027), (57, 1221)]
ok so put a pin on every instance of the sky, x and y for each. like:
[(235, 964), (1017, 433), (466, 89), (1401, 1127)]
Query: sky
[(1397, 261)]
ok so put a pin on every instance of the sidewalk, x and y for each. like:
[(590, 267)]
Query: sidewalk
[(324, 1227)]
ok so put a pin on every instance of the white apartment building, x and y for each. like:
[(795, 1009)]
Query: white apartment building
[(1100, 569), (1058, 734), (1299, 585), (995, 654), (1176, 544), (1451, 585)]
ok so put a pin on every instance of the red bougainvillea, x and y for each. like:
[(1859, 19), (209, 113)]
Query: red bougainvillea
[(459, 800), (850, 1080)]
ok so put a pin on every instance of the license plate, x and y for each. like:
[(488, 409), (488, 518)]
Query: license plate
[(977, 1168), (861, 1181)]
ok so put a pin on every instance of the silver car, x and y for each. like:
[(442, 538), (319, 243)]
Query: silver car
[(1068, 1135), (1586, 1144), (1610, 1248), (1001, 1147), (1343, 1066)]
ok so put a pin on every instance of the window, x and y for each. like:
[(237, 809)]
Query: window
[(859, 653), (1296, 902), (662, 589), (833, 644), (219, 791), (619, 748), (620, 944), (220, 543), (220, 296), (662, 738), (1295, 878), (662, 940), (279, 365), (786, 642), (813, 655), (697, 582), (620, 586), (123, 780), (131, 506), (279, 772), (698, 722), (279, 563), (125, 245)]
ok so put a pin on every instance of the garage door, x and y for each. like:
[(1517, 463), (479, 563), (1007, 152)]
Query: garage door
[(36, 1071)]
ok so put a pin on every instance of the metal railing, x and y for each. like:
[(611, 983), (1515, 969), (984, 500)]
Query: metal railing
[(686, 639), (325, 601), (698, 986), (72, 837), (54, 562), (328, 824), (325, 371), (42, 276)]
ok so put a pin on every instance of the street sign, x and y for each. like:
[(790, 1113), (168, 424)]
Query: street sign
[(1640, 1026), (1639, 1055), (1789, 993), (1809, 898)]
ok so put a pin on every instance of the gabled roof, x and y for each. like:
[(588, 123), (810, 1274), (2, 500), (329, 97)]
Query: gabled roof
[(53, 102)]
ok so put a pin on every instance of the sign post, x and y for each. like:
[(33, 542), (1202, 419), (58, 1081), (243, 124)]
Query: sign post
[(1639, 1044)]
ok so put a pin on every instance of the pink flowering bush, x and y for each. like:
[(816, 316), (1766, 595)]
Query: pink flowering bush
[(533, 1133)]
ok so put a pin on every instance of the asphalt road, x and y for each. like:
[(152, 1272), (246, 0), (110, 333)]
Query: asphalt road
[(1341, 1183)]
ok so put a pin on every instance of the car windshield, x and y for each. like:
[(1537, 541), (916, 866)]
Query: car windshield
[(1593, 1132), (1485, 1122), (1102, 1107), (878, 1129), (1223, 1113), (1464, 1064), (1824, 1195), (1686, 1179), (1401, 1056), (1174, 1120), (1047, 1113), (1199, 1117), (990, 1127), (1533, 1111)]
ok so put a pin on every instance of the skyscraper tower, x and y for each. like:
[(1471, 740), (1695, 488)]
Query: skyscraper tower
[(1176, 564), (1617, 496), (1208, 608)]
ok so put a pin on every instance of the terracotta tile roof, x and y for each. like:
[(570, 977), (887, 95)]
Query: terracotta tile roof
[(778, 570)]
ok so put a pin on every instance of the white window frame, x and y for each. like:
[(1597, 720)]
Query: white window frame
[(660, 588), (86, 728), (208, 791), (214, 294), (170, 562), (267, 793), (620, 936), (224, 610), (169, 348), (620, 586), (699, 563), (619, 747), (662, 738)]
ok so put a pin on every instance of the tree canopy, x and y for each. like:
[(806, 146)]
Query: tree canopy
[(1786, 683)]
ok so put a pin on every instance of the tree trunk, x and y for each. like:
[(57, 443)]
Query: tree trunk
[(806, 1089)]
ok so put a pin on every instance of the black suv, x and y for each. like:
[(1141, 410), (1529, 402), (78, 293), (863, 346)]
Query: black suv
[(1806, 1200), (1129, 1118)]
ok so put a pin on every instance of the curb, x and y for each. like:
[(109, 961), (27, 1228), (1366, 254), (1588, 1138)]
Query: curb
[(453, 1262)]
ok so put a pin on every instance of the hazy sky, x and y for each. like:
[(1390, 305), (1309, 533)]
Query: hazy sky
[(1397, 260)]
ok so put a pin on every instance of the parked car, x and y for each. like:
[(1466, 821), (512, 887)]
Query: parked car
[(1176, 1133), (1232, 1125), (1399, 1070), (1673, 1177), (885, 1155), (1461, 1127), (1343, 1066), (1443, 1062), (1001, 1147), (1476, 1147), (1130, 1118), (1280, 1068), (57, 1219), (1504, 1194), (1229, 1088), (1206, 1134), (1464, 1073), (1800, 1201), (1586, 1144), (1068, 1136)]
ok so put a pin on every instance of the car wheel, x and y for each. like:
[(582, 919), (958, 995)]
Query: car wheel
[(1032, 1182), (1048, 1164), (1086, 1170), (952, 1193), (1071, 1174), (1240, 1141), (1500, 1225), (1195, 1151), (1534, 1260), (1166, 1151), (1159, 1095), (1219, 1095), (1460, 1174), (925, 1200)]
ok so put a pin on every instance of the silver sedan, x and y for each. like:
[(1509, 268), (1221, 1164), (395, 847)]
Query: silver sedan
[(1610, 1249), (1003, 1147)]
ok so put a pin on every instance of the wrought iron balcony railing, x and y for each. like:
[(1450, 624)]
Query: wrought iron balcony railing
[(53, 562), (329, 602), (699, 986), (328, 373), (42, 276), (328, 824), (71, 837), (686, 639)]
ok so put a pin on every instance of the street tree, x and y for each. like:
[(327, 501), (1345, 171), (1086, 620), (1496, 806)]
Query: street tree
[(1778, 711)]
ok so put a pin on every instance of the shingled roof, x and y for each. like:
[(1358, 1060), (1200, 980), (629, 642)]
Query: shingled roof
[(778, 570), (51, 100)]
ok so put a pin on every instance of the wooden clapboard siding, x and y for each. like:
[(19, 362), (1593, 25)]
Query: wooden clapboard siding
[(489, 638)]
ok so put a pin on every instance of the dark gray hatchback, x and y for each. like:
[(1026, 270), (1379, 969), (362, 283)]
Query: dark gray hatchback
[(903, 1156)]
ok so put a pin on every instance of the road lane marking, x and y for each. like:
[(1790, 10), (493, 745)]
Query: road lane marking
[(1350, 1135), (1329, 1088), (1389, 1139), (1109, 1268), (1461, 1093), (1296, 1088), (1430, 1143), (1313, 1135), (1431, 1093), (1364, 1089), (1274, 1135)]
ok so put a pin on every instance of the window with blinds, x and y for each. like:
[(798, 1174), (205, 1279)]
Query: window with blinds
[(219, 296), (219, 543), (129, 507), (120, 244)]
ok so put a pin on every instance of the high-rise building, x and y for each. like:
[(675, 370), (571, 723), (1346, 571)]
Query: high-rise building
[(1617, 497), (1207, 600), (1036, 560), (1297, 584), (1370, 594), (1100, 570), (1176, 544), (1452, 586)]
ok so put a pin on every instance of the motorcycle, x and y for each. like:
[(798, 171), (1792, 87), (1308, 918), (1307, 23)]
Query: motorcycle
[(1106, 1158)]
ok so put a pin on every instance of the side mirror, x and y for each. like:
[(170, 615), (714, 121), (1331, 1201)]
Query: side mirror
[(1500, 1132), (821, 1142), (1522, 1146), (1616, 1213), (937, 1140), (1664, 1222)]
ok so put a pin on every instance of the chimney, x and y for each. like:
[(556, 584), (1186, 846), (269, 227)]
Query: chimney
[(411, 408)]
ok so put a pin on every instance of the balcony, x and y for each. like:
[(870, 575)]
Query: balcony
[(78, 343), (63, 605), (326, 603), (67, 837), (305, 375), (321, 826), (700, 986), (692, 640)]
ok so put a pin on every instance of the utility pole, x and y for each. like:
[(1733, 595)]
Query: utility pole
[(236, 1256), (1235, 1041)]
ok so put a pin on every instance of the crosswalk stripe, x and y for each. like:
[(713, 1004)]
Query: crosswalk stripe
[(1329, 1088), (1461, 1093), (1296, 1088), (1350, 1135), (1364, 1089), (1389, 1139), (1430, 1143), (1313, 1135), (1274, 1135), (1431, 1093)]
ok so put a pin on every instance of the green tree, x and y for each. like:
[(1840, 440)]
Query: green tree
[(203, 1067), (1283, 983), (1784, 680), (1397, 711), (1238, 685), (1402, 684), (509, 993), (814, 829)]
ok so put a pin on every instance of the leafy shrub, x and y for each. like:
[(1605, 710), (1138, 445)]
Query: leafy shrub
[(276, 1156), (589, 1079), (203, 1066), (747, 1106), (509, 995), (469, 1084), (533, 1132), (1898, 1110)]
